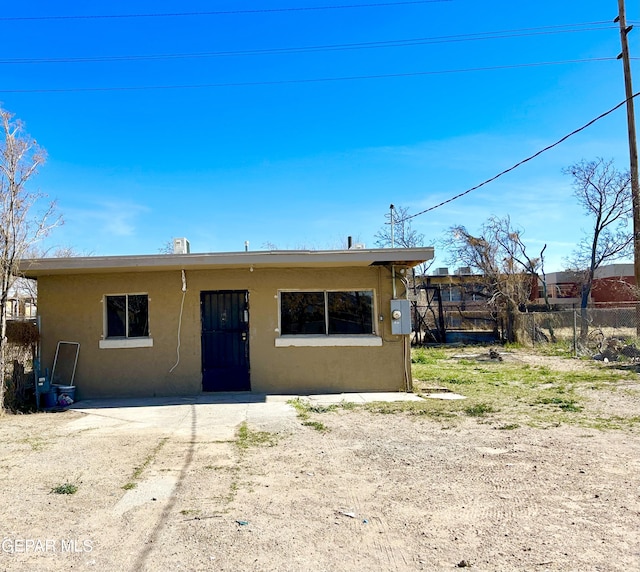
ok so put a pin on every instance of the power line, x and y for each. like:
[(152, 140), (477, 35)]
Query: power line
[(503, 34), (300, 81), (220, 12), (562, 140)]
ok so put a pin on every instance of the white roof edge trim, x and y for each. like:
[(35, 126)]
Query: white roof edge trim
[(409, 256)]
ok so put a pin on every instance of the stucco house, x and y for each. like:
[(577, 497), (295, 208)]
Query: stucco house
[(274, 322)]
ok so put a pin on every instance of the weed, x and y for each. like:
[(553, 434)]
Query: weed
[(386, 407), (149, 458), (430, 408), (36, 443), (321, 408), (247, 438), (302, 407), (428, 356), (508, 427), (458, 381), (233, 491), (615, 422), (479, 410), (564, 404), (137, 471), (534, 395), (570, 406), (562, 348), (317, 425), (66, 489), (305, 409)]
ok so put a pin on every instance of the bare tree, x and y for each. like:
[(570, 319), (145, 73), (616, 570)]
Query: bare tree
[(605, 194), (166, 248), (507, 274), (404, 236), (29, 286), (20, 225)]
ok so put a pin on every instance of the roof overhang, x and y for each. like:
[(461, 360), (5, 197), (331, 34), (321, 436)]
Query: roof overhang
[(407, 257)]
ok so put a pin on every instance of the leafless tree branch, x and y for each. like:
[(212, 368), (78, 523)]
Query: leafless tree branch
[(21, 227)]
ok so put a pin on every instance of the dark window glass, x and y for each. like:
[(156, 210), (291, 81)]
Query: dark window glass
[(350, 312), (456, 294), (128, 316), (138, 316), (302, 313), (116, 316)]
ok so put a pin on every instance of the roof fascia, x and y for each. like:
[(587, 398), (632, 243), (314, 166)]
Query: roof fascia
[(265, 259)]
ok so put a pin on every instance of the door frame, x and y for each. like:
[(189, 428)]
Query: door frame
[(236, 378)]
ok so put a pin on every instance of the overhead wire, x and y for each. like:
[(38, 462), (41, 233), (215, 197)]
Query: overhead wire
[(332, 47), (520, 163), (458, 38), (302, 81), (221, 12)]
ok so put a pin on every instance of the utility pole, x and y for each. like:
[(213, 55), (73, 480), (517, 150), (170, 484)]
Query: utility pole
[(633, 145)]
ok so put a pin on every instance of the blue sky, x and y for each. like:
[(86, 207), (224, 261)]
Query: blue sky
[(280, 149)]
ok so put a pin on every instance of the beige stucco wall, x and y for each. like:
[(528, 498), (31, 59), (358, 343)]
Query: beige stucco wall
[(71, 309)]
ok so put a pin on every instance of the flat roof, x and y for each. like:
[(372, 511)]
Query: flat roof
[(35, 267)]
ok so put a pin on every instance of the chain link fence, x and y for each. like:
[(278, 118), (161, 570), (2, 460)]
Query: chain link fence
[(601, 332)]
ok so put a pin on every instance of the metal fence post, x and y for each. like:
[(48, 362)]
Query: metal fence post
[(575, 333), (533, 329)]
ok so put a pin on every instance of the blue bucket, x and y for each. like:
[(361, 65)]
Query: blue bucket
[(49, 399)]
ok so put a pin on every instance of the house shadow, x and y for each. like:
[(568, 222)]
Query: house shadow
[(201, 399)]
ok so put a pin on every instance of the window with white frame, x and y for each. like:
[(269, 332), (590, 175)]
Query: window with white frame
[(127, 316), (331, 313)]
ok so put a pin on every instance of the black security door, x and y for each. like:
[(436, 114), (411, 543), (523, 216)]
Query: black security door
[(225, 340)]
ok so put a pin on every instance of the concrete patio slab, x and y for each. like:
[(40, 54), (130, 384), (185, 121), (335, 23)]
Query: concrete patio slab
[(211, 416), (443, 395), (334, 398)]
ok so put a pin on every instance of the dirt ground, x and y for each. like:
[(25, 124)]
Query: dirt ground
[(375, 492)]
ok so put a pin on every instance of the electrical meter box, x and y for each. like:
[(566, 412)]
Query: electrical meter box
[(400, 317)]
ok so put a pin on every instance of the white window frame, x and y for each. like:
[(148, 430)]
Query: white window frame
[(125, 341), (329, 340)]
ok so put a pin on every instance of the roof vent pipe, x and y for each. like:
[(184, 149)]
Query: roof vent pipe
[(349, 242)]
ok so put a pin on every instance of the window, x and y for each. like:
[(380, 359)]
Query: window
[(455, 293), (350, 312), (127, 316), (326, 313)]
